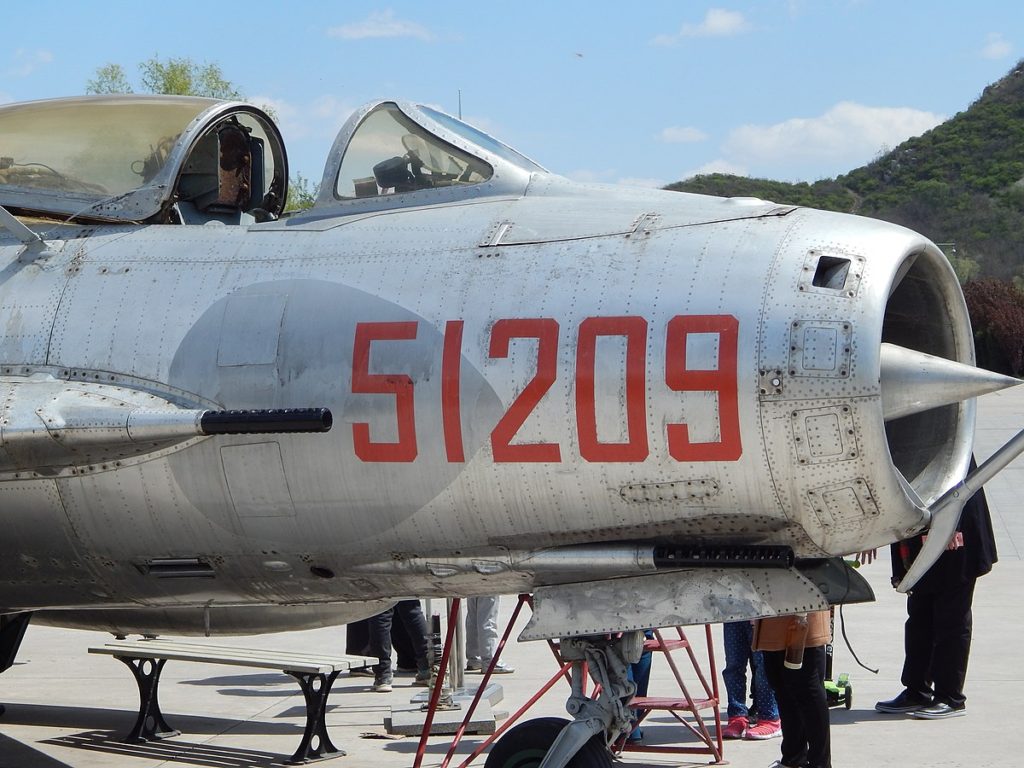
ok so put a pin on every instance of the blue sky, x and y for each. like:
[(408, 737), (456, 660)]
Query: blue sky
[(643, 92)]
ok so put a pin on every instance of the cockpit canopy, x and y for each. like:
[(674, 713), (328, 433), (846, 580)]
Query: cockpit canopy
[(395, 153), (418, 159), (142, 158)]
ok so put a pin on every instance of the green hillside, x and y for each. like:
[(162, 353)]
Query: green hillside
[(961, 182)]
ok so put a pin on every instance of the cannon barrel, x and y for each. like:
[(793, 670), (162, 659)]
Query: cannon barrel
[(265, 421)]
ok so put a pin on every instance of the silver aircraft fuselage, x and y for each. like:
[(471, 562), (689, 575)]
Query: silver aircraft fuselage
[(532, 383)]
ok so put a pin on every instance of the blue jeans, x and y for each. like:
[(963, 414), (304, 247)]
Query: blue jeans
[(738, 654)]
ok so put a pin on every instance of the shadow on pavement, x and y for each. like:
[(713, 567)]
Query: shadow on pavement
[(15, 753), (173, 750), (117, 722)]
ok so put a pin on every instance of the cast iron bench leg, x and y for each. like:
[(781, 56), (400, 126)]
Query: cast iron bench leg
[(316, 742), (151, 724)]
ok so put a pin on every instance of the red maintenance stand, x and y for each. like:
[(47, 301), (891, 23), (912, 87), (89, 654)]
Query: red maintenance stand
[(684, 707)]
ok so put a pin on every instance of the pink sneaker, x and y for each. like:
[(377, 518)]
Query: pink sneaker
[(736, 727), (765, 729)]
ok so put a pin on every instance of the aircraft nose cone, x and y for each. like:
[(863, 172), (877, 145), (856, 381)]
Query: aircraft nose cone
[(914, 381)]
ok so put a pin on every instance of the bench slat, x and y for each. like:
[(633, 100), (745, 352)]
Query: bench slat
[(174, 650), (153, 646)]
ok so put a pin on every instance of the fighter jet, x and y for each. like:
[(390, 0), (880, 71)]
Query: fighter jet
[(456, 374)]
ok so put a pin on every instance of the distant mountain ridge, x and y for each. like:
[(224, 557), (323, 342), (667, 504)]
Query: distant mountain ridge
[(961, 182)]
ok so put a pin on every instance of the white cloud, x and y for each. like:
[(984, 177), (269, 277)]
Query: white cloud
[(332, 111), (320, 118), (996, 47), (681, 134), (26, 62), (717, 22), (381, 24), (846, 136), (5, 98)]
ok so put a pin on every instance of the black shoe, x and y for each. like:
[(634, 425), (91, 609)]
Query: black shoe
[(905, 702), (939, 711)]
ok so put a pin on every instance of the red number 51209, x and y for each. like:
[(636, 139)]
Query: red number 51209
[(635, 448)]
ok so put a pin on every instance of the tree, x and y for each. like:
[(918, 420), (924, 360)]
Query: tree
[(110, 78), (301, 193), (996, 308), (178, 76), (185, 77)]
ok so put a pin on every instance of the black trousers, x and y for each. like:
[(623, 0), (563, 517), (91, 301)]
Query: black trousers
[(803, 708), (410, 613), (937, 642), (357, 642)]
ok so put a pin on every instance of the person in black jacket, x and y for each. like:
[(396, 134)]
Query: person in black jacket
[(937, 635)]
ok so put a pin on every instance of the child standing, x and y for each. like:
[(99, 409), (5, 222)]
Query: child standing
[(738, 655)]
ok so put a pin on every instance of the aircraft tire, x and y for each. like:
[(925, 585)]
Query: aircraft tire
[(525, 745)]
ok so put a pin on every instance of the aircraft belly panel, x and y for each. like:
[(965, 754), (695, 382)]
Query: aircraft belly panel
[(42, 561), (677, 598)]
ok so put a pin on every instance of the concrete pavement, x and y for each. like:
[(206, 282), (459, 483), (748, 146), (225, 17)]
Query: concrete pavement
[(66, 707)]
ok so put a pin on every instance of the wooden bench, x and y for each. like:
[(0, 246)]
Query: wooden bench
[(315, 673)]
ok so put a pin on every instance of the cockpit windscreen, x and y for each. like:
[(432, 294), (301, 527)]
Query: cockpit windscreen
[(390, 154)]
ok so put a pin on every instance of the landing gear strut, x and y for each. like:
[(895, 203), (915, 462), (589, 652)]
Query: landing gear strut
[(583, 743)]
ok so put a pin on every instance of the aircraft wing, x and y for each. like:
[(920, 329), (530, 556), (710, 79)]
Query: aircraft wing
[(53, 426)]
